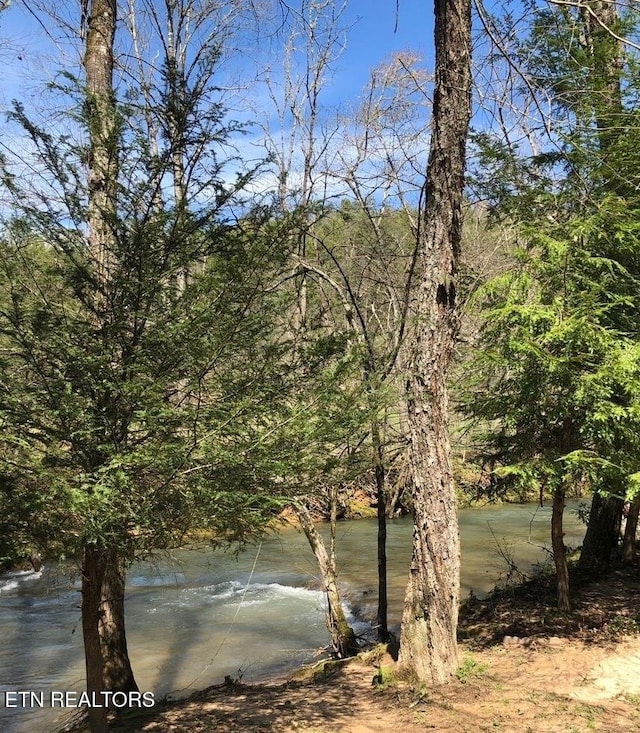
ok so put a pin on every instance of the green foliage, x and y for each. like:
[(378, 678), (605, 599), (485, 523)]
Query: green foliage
[(555, 382), (558, 384), (139, 406), (470, 669), (161, 402), (384, 678), (359, 285), (621, 626), (117, 416)]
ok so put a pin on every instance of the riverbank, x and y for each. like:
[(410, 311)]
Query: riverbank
[(524, 667)]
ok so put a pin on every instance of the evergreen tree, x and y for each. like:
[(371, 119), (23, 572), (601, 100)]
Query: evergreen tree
[(558, 364), (138, 350)]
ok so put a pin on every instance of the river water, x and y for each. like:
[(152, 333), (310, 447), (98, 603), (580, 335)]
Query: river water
[(197, 616)]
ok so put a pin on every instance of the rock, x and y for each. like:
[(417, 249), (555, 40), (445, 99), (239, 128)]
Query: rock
[(512, 641)]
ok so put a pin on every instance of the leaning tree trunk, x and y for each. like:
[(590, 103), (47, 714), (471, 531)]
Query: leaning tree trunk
[(117, 674), (428, 647), (343, 638), (93, 565)]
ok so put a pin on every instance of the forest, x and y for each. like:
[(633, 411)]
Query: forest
[(227, 303)]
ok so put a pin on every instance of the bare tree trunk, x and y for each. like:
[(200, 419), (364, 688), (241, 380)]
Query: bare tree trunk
[(93, 564), (118, 675), (557, 528), (401, 484), (381, 501), (343, 638), (631, 531), (394, 501), (559, 549), (428, 646)]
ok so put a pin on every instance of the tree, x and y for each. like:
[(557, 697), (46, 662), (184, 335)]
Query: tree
[(343, 639), (112, 669), (321, 414), (354, 263), (428, 644), (362, 261), (560, 368), (135, 329), (377, 276), (99, 564), (548, 377), (315, 37)]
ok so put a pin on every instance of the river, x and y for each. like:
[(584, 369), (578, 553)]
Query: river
[(197, 616)]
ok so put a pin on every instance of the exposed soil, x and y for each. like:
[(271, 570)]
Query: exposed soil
[(525, 668)]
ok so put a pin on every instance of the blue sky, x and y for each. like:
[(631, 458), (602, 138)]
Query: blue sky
[(372, 38), (30, 58)]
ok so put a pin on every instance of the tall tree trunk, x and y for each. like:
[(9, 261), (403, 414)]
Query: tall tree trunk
[(343, 638), (603, 530), (93, 566), (601, 22), (381, 500), (104, 604), (560, 549), (428, 646), (103, 148), (117, 673), (631, 531), (557, 523), (175, 72)]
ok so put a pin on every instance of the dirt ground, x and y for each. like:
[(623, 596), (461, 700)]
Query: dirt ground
[(554, 686), (525, 668)]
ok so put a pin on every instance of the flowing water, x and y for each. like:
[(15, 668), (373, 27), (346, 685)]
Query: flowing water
[(197, 616)]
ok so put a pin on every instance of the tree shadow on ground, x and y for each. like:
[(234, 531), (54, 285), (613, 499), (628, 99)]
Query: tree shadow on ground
[(319, 703), (603, 600)]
